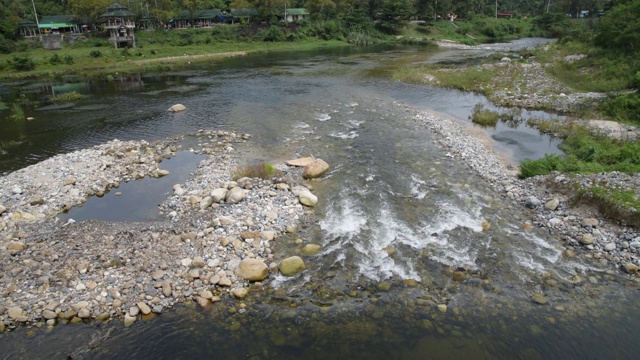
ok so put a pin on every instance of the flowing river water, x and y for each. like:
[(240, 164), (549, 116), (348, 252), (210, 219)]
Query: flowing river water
[(398, 220)]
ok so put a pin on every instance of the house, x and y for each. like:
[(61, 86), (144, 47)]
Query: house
[(148, 22), (199, 18), (291, 15), (120, 22), (60, 24), (208, 18), (28, 29), (243, 15)]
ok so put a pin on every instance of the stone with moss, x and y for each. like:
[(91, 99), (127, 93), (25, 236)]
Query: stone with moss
[(291, 266)]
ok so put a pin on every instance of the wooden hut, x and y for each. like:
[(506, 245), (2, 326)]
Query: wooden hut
[(207, 18), (243, 15), (120, 22), (28, 29), (148, 22), (60, 24), (293, 15)]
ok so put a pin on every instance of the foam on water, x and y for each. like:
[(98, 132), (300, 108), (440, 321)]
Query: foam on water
[(344, 135), (417, 186), (322, 117), (355, 123)]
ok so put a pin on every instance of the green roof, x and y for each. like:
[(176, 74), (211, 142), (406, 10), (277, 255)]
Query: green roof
[(55, 25), (300, 11), (184, 15), (208, 14), (27, 23), (58, 19), (199, 14), (117, 10), (244, 12)]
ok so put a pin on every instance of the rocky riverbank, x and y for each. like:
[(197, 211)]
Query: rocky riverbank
[(55, 271), (610, 246), (519, 82)]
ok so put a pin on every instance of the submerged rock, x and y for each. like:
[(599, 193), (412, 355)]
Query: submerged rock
[(310, 249), (177, 108)]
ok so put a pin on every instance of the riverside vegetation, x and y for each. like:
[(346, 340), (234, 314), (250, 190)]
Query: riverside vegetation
[(591, 72)]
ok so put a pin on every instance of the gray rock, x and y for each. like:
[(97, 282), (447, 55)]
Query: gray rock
[(48, 314), (84, 313), (590, 222), (252, 269), (532, 202), (610, 246), (552, 204), (315, 169), (308, 199), (291, 266), (197, 262), (15, 312), (586, 239), (157, 309), (219, 194), (235, 195), (144, 308), (177, 108)]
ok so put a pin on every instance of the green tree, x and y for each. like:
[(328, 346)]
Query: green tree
[(620, 27)]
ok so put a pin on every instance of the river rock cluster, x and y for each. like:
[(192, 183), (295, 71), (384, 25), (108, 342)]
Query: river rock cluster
[(215, 238), (612, 247)]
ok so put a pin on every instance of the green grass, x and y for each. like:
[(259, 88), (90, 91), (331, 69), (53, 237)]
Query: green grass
[(67, 97), (113, 60), (484, 117), (612, 202), (586, 152), (259, 170)]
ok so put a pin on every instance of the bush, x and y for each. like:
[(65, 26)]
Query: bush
[(484, 117), (260, 170), (68, 59), (95, 54), (55, 60), (273, 34), (67, 97), (6, 46), (625, 107), (22, 63)]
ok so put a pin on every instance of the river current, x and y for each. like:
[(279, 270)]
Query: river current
[(398, 219)]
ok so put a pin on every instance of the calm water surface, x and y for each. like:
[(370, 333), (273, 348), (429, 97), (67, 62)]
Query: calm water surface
[(396, 217)]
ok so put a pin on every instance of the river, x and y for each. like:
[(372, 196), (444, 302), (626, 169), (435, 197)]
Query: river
[(399, 220)]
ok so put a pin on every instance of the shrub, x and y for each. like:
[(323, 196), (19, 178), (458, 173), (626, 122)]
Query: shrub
[(484, 117), (68, 59), (260, 170), (55, 60), (22, 63), (95, 54), (273, 34), (67, 97)]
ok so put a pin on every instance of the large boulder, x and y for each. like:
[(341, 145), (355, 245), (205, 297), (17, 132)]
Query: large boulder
[(301, 161), (308, 199), (291, 266), (315, 169), (252, 269), (219, 194), (235, 195), (177, 108)]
